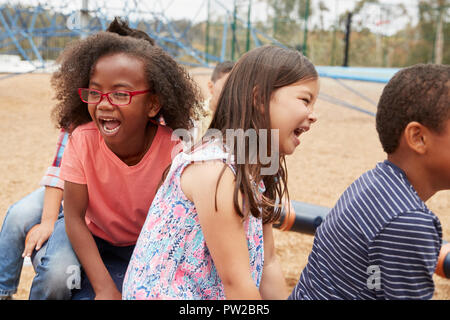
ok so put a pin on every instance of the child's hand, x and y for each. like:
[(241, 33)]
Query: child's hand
[(36, 237), (112, 294)]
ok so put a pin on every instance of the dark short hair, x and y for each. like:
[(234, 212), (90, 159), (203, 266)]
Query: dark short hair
[(221, 69), (417, 93)]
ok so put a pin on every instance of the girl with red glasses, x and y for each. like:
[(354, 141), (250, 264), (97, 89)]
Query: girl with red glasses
[(111, 91)]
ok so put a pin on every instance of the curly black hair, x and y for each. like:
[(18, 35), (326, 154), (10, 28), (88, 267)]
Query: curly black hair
[(178, 94), (121, 27), (418, 93)]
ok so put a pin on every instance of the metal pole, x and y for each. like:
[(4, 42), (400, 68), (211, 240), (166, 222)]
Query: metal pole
[(233, 28), (275, 21), (439, 43), (207, 33), (333, 44), (224, 40), (84, 18), (305, 32), (333, 47), (347, 39)]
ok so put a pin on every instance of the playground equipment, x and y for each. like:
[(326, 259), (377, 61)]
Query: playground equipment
[(38, 30), (443, 265), (308, 217), (207, 31)]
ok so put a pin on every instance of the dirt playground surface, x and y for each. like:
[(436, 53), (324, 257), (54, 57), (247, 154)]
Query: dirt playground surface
[(339, 148)]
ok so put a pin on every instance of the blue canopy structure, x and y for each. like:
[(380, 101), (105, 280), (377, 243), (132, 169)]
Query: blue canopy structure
[(38, 30)]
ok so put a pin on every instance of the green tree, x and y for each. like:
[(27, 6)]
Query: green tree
[(288, 19), (431, 13)]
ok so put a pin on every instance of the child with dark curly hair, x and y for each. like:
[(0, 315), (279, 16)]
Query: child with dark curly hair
[(111, 91), (380, 241), (29, 224)]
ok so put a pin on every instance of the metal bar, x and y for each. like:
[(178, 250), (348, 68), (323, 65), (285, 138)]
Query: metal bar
[(305, 32), (233, 28), (249, 25), (224, 41), (339, 102), (207, 31), (13, 37)]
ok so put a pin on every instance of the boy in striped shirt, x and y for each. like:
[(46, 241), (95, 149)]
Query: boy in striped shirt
[(380, 241)]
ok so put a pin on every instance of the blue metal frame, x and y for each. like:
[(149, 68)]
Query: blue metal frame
[(18, 23)]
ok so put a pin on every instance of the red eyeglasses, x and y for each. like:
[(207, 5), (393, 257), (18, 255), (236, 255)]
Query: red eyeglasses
[(117, 98)]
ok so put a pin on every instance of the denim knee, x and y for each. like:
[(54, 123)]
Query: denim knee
[(25, 213), (61, 273), (56, 276), (56, 266)]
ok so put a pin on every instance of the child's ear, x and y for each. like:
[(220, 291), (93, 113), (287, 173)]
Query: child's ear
[(416, 136), (155, 106)]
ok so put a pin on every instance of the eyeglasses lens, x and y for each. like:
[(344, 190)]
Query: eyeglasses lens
[(116, 97)]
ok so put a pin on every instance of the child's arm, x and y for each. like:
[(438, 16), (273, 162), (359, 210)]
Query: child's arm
[(402, 257), (75, 204), (273, 284), (52, 201), (223, 229), (36, 237)]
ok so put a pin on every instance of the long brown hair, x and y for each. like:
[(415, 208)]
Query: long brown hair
[(244, 104)]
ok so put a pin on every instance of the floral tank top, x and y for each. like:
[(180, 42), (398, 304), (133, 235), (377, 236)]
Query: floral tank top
[(171, 259)]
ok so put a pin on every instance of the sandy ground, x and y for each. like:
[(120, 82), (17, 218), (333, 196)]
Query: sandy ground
[(340, 147)]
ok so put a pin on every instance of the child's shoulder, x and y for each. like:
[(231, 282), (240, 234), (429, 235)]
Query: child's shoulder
[(212, 149), (205, 160), (208, 175), (384, 190), (165, 131), (166, 141), (385, 175)]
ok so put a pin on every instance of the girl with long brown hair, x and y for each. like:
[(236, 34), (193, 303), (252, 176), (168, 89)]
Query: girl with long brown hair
[(208, 234)]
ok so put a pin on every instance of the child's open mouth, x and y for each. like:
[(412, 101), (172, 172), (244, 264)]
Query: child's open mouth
[(109, 125), (298, 131)]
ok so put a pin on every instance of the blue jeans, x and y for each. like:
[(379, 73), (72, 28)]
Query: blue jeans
[(116, 261), (53, 263)]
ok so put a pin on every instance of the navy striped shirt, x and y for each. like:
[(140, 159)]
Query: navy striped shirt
[(380, 241)]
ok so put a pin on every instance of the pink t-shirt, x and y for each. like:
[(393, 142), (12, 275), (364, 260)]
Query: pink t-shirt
[(119, 195)]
